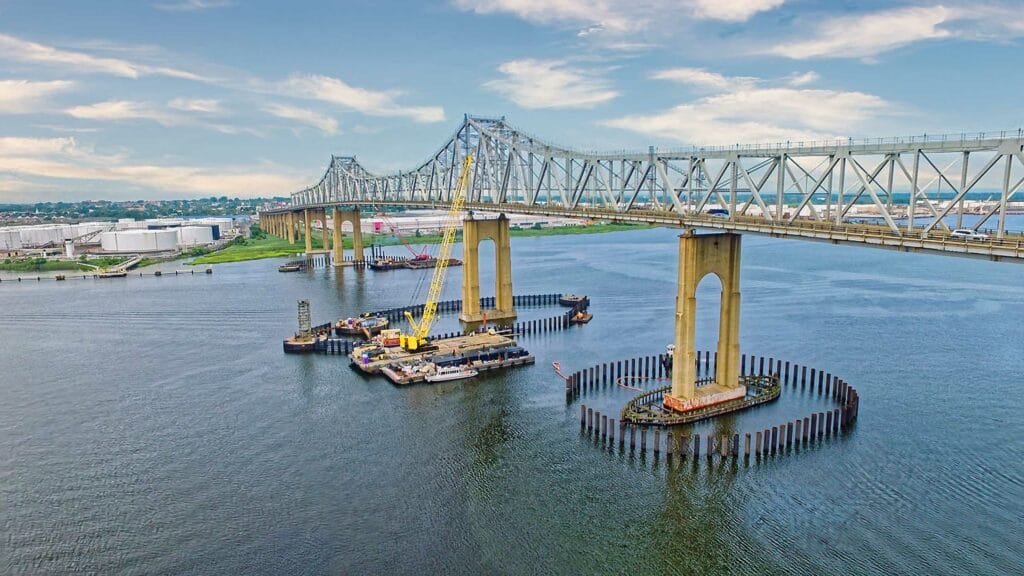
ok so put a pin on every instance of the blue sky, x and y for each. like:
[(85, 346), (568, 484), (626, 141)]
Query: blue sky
[(184, 98)]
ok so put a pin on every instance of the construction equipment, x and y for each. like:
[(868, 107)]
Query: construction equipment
[(421, 329)]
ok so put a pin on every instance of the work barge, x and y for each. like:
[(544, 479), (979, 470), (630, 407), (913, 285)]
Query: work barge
[(479, 351), (482, 349)]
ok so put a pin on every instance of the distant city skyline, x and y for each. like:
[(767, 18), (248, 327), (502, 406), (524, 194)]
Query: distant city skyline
[(196, 98)]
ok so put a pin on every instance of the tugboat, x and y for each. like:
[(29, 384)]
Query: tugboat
[(387, 264), (450, 373), (571, 300), (364, 325)]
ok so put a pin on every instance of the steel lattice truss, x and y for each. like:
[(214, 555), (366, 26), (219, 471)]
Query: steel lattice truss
[(794, 184)]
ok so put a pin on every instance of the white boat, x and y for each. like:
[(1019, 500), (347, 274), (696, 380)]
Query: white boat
[(450, 373)]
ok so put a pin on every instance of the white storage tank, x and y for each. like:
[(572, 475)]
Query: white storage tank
[(194, 235), (89, 228), (42, 235), (139, 240), (10, 240), (129, 224)]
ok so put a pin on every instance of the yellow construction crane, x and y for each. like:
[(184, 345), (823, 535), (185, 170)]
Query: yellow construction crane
[(421, 329)]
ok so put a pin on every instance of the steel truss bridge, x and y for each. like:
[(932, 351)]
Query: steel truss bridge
[(899, 193)]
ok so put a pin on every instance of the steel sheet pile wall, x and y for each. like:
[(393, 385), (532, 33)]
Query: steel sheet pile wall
[(776, 440)]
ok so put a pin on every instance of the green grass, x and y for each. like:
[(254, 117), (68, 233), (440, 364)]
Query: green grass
[(269, 247), (274, 247), (44, 265)]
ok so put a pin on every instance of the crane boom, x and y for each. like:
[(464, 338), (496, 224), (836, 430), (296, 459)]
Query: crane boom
[(422, 328)]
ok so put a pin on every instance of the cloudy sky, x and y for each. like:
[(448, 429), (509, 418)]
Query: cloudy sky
[(182, 98)]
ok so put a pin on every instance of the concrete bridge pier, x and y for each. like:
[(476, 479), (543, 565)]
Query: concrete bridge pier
[(473, 232), (324, 241), (307, 223), (699, 256), (338, 218), (290, 227)]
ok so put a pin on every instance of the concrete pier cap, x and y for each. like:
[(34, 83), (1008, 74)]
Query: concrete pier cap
[(700, 255)]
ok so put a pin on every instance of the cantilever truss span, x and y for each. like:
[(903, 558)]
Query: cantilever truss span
[(901, 193)]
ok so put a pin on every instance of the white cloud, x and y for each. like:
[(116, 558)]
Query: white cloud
[(200, 105), (866, 35), (753, 111), (803, 79), (869, 34), (64, 158), (16, 49), (704, 79), (22, 96), (192, 5), (122, 110), (334, 91), (617, 17), (322, 122), (550, 84), (733, 10)]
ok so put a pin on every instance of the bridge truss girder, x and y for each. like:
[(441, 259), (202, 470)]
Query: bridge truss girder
[(777, 183)]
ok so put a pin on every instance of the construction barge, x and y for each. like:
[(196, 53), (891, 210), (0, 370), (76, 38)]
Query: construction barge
[(479, 351), (418, 263)]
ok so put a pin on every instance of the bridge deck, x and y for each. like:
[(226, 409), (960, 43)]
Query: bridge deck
[(936, 241)]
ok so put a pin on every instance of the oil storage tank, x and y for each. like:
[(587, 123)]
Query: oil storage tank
[(194, 235), (139, 240), (10, 240)]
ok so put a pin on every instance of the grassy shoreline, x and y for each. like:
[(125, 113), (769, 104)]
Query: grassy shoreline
[(46, 265), (274, 247)]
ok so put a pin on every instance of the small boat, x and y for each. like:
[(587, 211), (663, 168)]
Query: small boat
[(570, 300), (450, 373), (289, 267), (581, 317), (387, 264), (61, 277), (111, 274)]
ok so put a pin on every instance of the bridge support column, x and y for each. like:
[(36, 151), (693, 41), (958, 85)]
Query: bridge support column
[(351, 216), (473, 232), (325, 242), (339, 240), (699, 256), (290, 227), (307, 224)]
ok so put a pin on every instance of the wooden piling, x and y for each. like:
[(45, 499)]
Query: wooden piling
[(632, 437), (657, 441), (746, 444), (757, 443), (696, 446), (643, 440)]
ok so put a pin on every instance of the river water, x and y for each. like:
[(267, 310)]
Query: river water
[(153, 426)]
